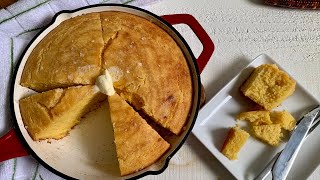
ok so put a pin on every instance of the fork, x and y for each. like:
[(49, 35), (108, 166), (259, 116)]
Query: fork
[(267, 170)]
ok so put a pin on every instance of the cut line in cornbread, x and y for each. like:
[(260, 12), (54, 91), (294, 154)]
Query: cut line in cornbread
[(53, 113), (234, 142), (256, 117), (268, 86), (137, 144), (271, 134), (284, 118)]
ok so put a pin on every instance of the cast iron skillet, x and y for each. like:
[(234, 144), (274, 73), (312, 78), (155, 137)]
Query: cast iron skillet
[(66, 157)]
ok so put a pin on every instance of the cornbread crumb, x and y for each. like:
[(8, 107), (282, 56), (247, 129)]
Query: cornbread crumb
[(256, 117), (270, 134), (268, 86), (235, 140), (284, 118)]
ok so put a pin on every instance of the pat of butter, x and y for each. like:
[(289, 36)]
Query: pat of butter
[(104, 83)]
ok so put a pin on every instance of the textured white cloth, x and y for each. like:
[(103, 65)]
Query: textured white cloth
[(18, 25)]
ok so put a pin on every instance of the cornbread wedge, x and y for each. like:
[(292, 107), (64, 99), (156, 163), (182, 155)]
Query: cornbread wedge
[(268, 86), (137, 144), (53, 113), (69, 55), (270, 134), (235, 140), (256, 117), (148, 68)]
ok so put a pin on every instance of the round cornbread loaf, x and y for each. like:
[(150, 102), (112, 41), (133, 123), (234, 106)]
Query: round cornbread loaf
[(148, 67)]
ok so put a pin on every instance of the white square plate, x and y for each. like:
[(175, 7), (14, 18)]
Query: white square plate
[(218, 115)]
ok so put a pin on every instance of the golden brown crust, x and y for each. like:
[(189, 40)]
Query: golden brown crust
[(137, 144), (53, 113), (152, 73), (69, 55)]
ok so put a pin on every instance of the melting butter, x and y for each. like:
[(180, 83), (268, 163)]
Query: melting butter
[(104, 83)]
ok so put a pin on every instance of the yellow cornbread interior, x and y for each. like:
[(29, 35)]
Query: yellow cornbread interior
[(53, 113), (235, 140), (138, 145), (270, 134), (256, 117), (284, 118), (268, 86)]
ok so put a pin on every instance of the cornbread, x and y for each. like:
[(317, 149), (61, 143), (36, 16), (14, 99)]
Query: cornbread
[(69, 55), (53, 113), (137, 144), (268, 86), (234, 142), (148, 68), (256, 117), (270, 134), (284, 118)]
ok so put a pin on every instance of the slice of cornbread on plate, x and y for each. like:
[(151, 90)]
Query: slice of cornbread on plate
[(137, 144), (284, 118), (270, 134), (268, 86), (53, 113), (256, 117), (234, 142)]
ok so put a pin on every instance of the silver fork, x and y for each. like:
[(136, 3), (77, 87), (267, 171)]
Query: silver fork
[(267, 170)]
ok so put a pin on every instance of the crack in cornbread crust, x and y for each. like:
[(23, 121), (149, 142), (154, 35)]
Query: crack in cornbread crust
[(153, 69)]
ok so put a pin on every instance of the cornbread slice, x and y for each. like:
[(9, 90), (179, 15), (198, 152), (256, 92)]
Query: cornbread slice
[(270, 134), (268, 86), (284, 118), (69, 55), (137, 144), (148, 68), (53, 113), (256, 117), (235, 140)]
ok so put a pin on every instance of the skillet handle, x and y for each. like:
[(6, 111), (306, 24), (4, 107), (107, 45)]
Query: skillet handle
[(11, 146), (208, 46)]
